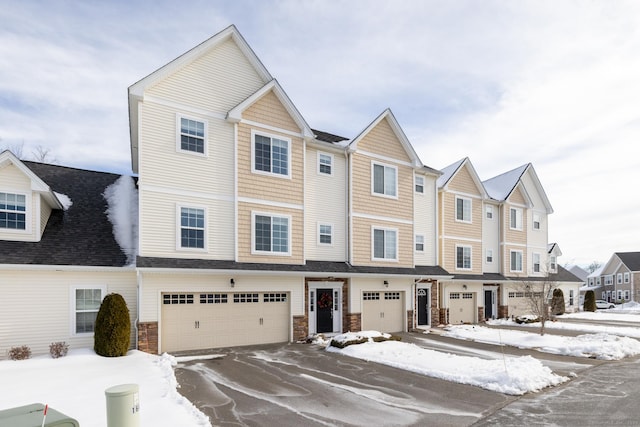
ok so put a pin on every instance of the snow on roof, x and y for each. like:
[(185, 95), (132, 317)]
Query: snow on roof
[(597, 272), (64, 200), (448, 172), (501, 186), (122, 211)]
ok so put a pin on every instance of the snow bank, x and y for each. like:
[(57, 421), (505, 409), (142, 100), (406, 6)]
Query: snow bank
[(122, 211)]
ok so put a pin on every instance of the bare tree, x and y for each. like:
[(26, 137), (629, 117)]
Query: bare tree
[(43, 155), (537, 297), (594, 266), (16, 149)]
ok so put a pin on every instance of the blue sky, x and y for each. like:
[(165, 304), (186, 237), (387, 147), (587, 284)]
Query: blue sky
[(505, 83)]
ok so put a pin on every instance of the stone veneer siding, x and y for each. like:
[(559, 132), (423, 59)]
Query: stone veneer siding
[(148, 337)]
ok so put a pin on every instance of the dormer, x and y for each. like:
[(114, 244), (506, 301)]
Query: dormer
[(554, 252), (26, 201)]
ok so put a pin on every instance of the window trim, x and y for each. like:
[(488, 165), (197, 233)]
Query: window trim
[(253, 154), (73, 311), (179, 246), (518, 225), (385, 166), (416, 243), (373, 251), (464, 199), (627, 277), (205, 138), (271, 215), (325, 224), (515, 251), (416, 184), (470, 257), (27, 213), (319, 163)]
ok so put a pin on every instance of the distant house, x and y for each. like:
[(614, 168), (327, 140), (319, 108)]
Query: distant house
[(619, 278)]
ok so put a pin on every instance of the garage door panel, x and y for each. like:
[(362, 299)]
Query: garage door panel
[(383, 311), (462, 307)]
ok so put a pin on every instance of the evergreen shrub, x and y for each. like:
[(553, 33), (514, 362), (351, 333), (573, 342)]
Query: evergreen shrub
[(113, 327)]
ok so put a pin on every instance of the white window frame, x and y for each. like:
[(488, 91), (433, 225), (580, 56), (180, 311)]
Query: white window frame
[(518, 218), (627, 295), (536, 257), (464, 247), (518, 254), (488, 211), (255, 133), (418, 184), (373, 243), (73, 311), (619, 278), (420, 239), (179, 246), (571, 296), (320, 234), (553, 264), (598, 281), (470, 209), (205, 138), (373, 185), (627, 277), (489, 256), (537, 222), (321, 163), (608, 280), (27, 213), (271, 215)]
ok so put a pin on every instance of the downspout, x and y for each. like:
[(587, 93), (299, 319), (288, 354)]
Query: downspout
[(235, 190), (349, 207), (139, 289)]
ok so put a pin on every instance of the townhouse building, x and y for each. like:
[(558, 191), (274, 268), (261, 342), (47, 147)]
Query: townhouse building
[(618, 278)]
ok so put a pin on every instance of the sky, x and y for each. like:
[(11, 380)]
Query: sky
[(505, 83)]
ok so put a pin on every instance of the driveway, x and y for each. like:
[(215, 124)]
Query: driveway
[(301, 384)]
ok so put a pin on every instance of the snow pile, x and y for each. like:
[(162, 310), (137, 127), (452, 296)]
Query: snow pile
[(600, 346), (122, 210), (624, 331), (75, 385), (510, 375), (64, 200)]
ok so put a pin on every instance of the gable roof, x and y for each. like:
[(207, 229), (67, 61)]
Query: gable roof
[(500, 187), (79, 236), (450, 171), (630, 259)]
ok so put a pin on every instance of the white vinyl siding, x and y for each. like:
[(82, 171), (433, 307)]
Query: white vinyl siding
[(384, 180)]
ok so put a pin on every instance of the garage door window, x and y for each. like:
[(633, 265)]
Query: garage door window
[(239, 298), (275, 298), (177, 299), (213, 298), (391, 295), (371, 296)]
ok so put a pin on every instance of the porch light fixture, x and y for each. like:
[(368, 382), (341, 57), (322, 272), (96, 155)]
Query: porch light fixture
[(464, 286), (232, 282), (386, 284)]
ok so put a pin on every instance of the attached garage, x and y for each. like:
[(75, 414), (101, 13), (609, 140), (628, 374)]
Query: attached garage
[(462, 307), (383, 311), (197, 320)]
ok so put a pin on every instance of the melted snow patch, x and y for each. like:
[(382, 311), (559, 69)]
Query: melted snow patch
[(122, 211)]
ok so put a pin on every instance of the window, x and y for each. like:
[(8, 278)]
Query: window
[(325, 164), (271, 234), (325, 234), (279, 297), (392, 295), (13, 209), (419, 243), (463, 209), (86, 305), (371, 296), (419, 184), (488, 211), (192, 135), (384, 180), (515, 219), (536, 263), (270, 155), (608, 280), (604, 295), (213, 298), (240, 298), (619, 295), (591, 281), (626, 295), (177, 299), (626, 278), (191, 228), (570, 296), (385, 244), (463, 257), (598, 281), (516, 260), (619, 278), (553, 265), (536, 222), (489, 256)]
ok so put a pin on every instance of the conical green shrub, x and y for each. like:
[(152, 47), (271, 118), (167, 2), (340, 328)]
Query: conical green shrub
[(557, 302), (589, 301), (112, 333)]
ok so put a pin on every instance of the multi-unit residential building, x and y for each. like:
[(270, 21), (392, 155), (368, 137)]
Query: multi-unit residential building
[(247, 226), (617, 280)]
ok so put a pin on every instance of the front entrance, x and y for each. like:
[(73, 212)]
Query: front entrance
[(324, 311), (325, 307), (423, 307), (490, 307)]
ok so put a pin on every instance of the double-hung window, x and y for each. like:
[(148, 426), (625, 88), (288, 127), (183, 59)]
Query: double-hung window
[(536, 221), (86, 304), (192, 135), (271, 155), (536, 263), (488, 211), (271, 234), (516, 261), (419, 243), (626, 277), (463, 257), (385, 180), (385, 244), (489, 256), (515, 218), (619, 277), (13, 208), (325, 234), (419, 184), (463, 209), (325, 164), (192, 228)]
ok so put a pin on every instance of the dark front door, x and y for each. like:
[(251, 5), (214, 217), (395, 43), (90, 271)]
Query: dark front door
[(324, 311), (423, 306), (488, 305)]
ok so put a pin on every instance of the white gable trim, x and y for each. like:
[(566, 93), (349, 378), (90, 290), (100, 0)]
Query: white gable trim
[(37, 185)]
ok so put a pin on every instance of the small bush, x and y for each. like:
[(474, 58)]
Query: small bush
[(589, 301), (20, 353), (113, 327), (557, 302), (58, 349)]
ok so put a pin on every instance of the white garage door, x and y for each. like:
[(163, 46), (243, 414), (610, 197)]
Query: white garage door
[(199, 320), (462, 307), (383, 311)]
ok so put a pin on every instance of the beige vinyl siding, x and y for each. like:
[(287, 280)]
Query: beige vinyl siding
[(159, 228), (269, 110), (382, 140), (517, 197), (45, 212), (424, 213), (463, 182), (363, 241), (12, 180), (153, 284), (452, 227), (216, 82), (507, 260), (245, 233), (448, 256), (325, 202), (37, 306), (512, 235), (266, 187)]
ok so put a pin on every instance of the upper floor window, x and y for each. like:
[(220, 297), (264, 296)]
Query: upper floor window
[(536, 263), (13, 209), (192, 228), (271, 155), (463, 209), (590, 281), (385, 244), (385, 180), (608, 279), (536, 222), (619, 278), (553, 265), (463, 257), (271, 234), (598, 281), (626, 277), (325, 234), (489, 256), (488, 209), (419, 184), (516, 261), (325, 164), (419, 243), (192, 135), (515, 219)]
